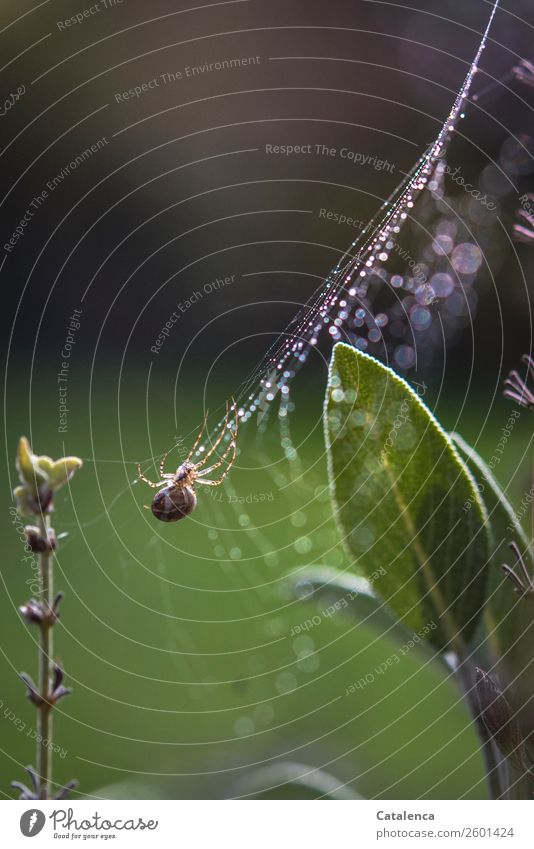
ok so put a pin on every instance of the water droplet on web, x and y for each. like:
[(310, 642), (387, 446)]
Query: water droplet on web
[(420, 318), (304, 589), (443, 245), (285, 682), (466, 258), (404, 356), (272, 559), (357, 418), (362, 538), (308, 662), (425, 294), (303, 545), (263, 714), (442, 284), (517, 155), (303, 643), (244, 726), (298, 519)]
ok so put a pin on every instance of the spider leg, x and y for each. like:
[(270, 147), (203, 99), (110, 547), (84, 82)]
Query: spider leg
[(222, 477), (221, 435), (210, 483), (162, 463), (146, 480), (529, 362), (217, 441), (197, 440), (232, 447)]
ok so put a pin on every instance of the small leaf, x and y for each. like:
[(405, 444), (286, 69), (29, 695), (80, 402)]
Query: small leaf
[(44, 464), (399, 487), (25, 505), (504, 522), (67, 788), (507, 617), (62, 471), (29, 474)]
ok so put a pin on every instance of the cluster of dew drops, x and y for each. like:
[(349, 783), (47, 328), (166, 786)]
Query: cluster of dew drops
[(433, 299), (421, 309)]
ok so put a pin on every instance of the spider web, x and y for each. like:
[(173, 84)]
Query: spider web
[(342, 306)]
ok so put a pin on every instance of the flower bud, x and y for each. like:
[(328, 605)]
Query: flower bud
[(58, 690), (40, 477), (32, 612), (32, 693), (35, 541)]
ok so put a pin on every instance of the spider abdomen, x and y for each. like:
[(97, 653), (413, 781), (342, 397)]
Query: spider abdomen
[(173, 502)]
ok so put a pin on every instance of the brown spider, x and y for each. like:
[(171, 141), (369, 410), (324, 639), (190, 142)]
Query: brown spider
[(177, 498)]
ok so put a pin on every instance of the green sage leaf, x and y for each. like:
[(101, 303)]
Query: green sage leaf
[(399, 490)]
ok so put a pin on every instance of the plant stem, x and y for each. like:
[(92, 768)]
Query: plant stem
[(465, 674), (44, 711), (521, 784)]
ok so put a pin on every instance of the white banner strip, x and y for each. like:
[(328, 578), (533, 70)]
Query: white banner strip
[(268, 824)]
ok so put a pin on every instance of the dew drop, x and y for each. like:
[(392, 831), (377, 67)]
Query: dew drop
[(442, 284), (285, 682), (466, 258), (404, 356), (303, 545), (244, 726)]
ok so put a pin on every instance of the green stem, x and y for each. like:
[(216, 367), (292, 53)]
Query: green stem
[(46, 650)]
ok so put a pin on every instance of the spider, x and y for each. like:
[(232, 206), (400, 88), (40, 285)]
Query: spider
[(177, 498)]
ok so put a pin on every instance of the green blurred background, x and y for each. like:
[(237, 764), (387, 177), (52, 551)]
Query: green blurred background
[(182, 641)]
